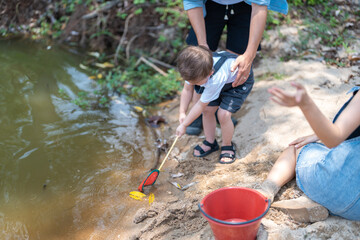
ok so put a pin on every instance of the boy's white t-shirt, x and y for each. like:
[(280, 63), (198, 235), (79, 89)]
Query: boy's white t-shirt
[(215, 84)]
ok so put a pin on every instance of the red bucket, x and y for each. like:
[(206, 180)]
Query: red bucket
[(234, 212)]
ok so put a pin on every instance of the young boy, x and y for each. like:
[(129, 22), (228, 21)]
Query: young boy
[(199, 67)]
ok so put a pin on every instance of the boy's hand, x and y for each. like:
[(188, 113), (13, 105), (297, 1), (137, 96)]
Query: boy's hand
[(181, 129), (182, 117), (302, 141), (300, 98)]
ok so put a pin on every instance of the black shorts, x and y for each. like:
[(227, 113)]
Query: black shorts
[(231, 99), (238, 26)]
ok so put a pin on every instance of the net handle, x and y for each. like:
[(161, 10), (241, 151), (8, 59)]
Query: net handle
[(168, 152)]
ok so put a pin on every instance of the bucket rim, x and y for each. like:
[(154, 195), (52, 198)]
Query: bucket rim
[(235, 223)]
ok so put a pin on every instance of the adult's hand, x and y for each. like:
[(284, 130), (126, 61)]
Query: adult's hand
[(299, 98), (302, 141), (257, 26), (243, 66)]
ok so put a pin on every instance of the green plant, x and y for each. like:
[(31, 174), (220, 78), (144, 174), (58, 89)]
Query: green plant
[(348, 50), (306, 2), (271, 75), (82, 100), (335, 62)]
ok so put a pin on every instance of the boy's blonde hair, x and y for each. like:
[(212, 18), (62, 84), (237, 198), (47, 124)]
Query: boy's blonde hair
[(195, 63)]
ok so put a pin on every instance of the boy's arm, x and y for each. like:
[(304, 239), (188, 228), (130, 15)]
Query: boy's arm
[(185, 99), (195, 112)]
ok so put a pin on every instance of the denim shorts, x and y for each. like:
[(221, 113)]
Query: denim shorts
[(231, 99), (331, 177)]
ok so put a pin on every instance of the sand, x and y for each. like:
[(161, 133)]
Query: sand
[(264, 129)]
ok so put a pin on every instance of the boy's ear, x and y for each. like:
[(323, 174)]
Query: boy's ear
[(211, 73)]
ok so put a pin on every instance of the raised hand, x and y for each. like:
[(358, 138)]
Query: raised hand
[(299, 98)]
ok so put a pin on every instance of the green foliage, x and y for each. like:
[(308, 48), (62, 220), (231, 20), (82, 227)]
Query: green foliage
[(3, 32), (143, 84), (82, 100), (156, 88), (104, 32), (306, 2), (138, 82), (63, 94), (270, 76)]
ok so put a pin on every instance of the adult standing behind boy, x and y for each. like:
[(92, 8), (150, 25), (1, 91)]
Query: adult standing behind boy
[(196, 66), (245, 22)]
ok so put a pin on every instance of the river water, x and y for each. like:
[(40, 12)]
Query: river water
[(64, 172)]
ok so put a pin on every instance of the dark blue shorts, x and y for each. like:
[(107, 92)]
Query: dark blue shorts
[(231, 99), (238, 26)]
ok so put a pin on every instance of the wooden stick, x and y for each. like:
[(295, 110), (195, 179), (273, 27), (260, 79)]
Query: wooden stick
[(153, 66), (122, 38), (161, 63), (168, 152), (107, 6)]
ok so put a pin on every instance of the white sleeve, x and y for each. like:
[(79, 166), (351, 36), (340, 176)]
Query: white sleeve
[(213, 88), (215, 84)]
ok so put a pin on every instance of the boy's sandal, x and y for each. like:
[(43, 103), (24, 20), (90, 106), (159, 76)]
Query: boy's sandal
[(227, 155), (213, 147)]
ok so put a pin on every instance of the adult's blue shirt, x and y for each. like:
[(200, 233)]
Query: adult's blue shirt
[(280, 6)]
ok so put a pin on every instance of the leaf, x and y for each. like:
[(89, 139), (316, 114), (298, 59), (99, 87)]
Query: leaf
[(176, 185), (151, 198), (104, 65), (137, 195), (92, 77), (138, 109), (94, 54), (82, 66)]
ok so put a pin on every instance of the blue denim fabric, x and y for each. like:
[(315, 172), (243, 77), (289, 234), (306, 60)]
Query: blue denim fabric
[(280, 6), (330, 177)]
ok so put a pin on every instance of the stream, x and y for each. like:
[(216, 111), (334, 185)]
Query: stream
[(65, 172)]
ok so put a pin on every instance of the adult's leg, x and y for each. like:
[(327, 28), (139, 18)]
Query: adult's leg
[(282, 172), (284, 168), (238, 27), (209, 123), (302, 209)]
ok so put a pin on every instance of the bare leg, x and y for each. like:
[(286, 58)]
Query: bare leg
[(284, 168), (281, 173), (302, 209), (227, 130), (209, 124)]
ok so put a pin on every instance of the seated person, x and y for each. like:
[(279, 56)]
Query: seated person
[(327, 171)]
